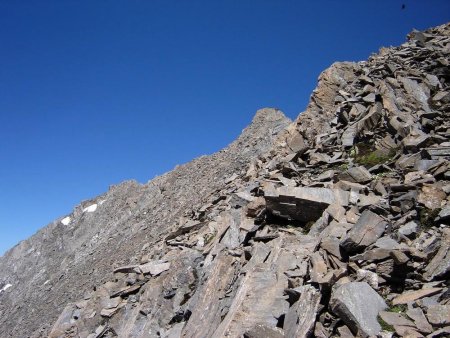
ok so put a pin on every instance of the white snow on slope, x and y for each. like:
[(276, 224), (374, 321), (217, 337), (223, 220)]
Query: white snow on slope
[(90, 208), (66, 220)]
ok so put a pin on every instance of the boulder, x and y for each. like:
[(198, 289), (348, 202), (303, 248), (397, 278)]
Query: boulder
[(431, 196), (439, 267), (366, 231), (439, 315), (300, 319), (420, 320), (359, 174), (358, 305), (409, 229), (303, 203)]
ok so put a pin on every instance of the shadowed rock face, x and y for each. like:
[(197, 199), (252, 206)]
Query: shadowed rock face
[(296, 229)]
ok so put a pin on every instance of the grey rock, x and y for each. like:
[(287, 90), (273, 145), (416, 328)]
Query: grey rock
[(155, 268), (387, 243), (259, 299), (444, 332), (331, 245), (320, 224), (394, 319), (303, 204), (424, 164), (444, 214), (347, 186), (348, 136), (439, 266), (358, 305), (370, 98), (365, 232), (345, 332), (439, 315), (127, 269), (175, 331), (431, 196), (375, 254), (337, 212), (359, 174), (421, 322), (416, 140), (261, 330), (297, 143), (300, 319), (409, 229), (111, 303), (436, 153), (207, 306)]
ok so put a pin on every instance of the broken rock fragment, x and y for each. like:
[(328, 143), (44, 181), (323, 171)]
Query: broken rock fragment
[(365, 232), (410, 296), (359, 174), (154, 268), (439, 267), (358, 305), (300, 319), (439, 315), (303, 203)]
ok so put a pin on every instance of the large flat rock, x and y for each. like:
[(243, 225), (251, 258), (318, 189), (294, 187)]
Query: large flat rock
[(366, 231), (358, 305), (303, 203)]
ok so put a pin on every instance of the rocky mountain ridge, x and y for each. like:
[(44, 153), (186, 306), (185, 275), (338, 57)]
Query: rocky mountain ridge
[(333, 225), (62, 261)]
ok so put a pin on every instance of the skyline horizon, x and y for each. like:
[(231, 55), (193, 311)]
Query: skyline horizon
[(91, 96)]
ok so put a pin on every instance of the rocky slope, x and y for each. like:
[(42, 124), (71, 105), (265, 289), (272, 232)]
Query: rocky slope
[(333, 225), (74, 254)]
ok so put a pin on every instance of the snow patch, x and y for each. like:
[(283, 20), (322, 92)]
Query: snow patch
[(66, 220), (101, 202), (90, 208), (6, 287)]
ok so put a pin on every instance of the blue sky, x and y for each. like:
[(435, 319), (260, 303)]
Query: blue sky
[(96, 92)]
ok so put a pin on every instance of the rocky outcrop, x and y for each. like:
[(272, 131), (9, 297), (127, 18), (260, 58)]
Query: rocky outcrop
[(334, 225)]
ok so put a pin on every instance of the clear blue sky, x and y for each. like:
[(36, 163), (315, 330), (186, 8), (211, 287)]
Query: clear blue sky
[(96, 92)]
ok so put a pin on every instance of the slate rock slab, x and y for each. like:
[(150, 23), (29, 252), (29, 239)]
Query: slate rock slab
[(303, 203), (395, 319), (301, 316), (358, 305), (411, 296), (155, 268), (439, 315), (439, 267), (366, 231), (359, 174)]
